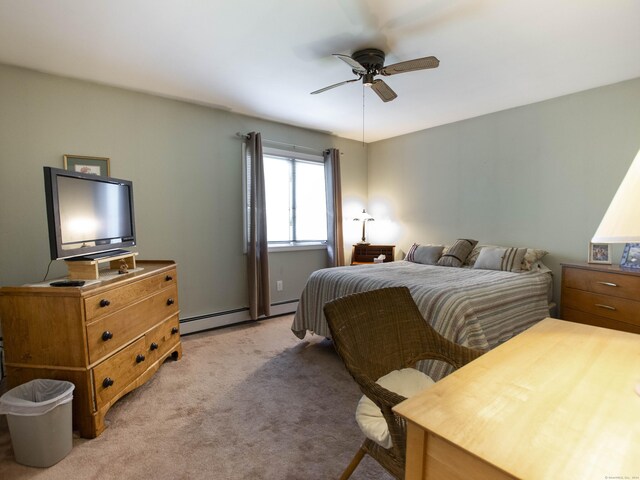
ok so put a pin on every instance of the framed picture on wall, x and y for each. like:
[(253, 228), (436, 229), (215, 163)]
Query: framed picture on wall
[(631, 256), (599, 253), (90, 165)]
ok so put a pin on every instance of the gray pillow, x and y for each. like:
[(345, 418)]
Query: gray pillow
[(457, 253), (500, 258), (425, 254)]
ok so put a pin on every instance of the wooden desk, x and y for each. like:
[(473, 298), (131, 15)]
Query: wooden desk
[(556, 402)]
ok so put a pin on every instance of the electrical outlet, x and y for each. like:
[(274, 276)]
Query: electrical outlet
[(279, 286)]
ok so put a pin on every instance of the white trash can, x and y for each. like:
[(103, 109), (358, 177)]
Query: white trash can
[(40, 421)]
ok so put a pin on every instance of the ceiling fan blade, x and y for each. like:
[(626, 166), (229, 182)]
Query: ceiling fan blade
[(410, 65), (334, 86), (356, 66), (383, 90)]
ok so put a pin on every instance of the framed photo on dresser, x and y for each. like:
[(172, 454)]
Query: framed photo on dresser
[(631, 256), (599, 253)]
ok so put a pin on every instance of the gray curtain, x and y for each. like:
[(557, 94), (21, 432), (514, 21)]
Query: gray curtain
[(257, 245), (335, 243)]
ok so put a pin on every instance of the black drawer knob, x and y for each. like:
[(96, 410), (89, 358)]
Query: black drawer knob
[(168, 278), (139, 358), (107, 382), (170, 301), (153, 346), (174, 330), (107, 335), (104, 302)]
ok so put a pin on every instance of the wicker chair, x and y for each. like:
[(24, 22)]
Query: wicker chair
[(375, 333)]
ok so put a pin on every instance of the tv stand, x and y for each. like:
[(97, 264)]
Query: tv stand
[(96, 256), (106, 337), (89, 269)]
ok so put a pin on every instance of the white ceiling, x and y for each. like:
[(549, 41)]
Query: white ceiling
[(263, 57)]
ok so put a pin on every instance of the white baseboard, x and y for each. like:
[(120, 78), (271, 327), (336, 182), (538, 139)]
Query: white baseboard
[(225, 319)]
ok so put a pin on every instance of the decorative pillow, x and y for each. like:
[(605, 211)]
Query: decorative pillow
[(532, 256), (406, 382), (457, 253), (425, 254), (501, 258), (473, 256)]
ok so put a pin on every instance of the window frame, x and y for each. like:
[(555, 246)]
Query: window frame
[(288, 245), (294, 156)]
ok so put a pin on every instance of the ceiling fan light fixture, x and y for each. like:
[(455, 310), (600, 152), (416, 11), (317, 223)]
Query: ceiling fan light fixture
[(367, 79)]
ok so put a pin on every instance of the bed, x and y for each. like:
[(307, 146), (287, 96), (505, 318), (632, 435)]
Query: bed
[(472, 307)]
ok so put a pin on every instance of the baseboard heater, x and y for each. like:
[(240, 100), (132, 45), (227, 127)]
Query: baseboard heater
[(230, 317)]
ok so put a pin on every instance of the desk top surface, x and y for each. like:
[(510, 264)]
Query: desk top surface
[(557, 401)]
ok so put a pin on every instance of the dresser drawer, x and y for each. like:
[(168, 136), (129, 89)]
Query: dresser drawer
[(616, 285), (111, 332), (162, 338), (113, 375), (116, 298), (616, 308)]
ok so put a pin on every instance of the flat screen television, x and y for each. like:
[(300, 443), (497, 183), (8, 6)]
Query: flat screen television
[(88, 215)]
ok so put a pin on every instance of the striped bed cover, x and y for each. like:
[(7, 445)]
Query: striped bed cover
[(476, 308)]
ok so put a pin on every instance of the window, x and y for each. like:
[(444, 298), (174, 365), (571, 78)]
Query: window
[(295, 197)]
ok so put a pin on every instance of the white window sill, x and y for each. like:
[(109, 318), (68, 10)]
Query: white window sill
[(297, 247)]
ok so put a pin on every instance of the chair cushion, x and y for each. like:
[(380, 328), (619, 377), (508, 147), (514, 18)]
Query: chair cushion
[(406, 382)]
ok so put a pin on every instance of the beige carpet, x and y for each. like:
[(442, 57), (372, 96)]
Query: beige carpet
[(245, 402)]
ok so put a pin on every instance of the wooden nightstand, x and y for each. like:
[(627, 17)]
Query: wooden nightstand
[(601, 295), (362, 254)]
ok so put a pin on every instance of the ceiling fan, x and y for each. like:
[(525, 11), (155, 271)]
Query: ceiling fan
[(369, 62)]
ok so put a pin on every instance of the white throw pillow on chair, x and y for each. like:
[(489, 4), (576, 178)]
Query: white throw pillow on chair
[(406, 382)]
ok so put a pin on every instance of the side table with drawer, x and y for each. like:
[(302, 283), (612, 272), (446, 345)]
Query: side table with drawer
[(362, 253), (107, 338), (601, 295)]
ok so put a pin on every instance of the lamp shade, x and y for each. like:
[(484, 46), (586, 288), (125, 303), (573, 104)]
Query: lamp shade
[(621, 222), (363, 217)]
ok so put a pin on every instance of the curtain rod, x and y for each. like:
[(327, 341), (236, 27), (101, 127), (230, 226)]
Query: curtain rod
[(244, 136)]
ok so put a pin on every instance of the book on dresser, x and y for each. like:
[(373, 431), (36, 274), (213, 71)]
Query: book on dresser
[(107, 337)]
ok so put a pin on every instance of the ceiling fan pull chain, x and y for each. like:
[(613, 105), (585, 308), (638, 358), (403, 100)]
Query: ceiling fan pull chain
[(362, 115)]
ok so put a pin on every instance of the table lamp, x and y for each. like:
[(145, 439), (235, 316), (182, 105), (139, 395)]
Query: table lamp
[(621, 222), (364, 217)]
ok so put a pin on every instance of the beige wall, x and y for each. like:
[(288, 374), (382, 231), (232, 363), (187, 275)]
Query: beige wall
[(541, 175), (184, 161)]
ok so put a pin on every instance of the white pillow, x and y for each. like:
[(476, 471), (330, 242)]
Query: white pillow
[(529, 262), (406, 382), (425, 254), (501, 258)]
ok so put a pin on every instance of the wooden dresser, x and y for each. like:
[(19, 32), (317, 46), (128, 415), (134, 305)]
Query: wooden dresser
[(601, 295), (365, 253), (107, 338)]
